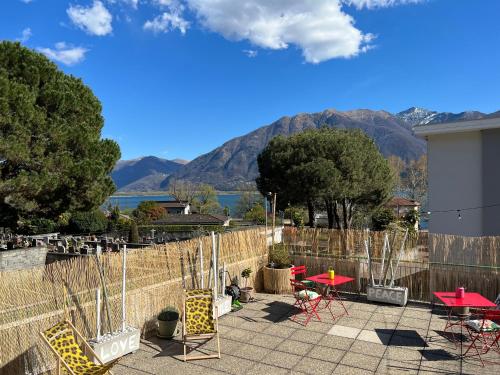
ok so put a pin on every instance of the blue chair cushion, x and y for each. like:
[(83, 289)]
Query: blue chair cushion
[(311, 294)]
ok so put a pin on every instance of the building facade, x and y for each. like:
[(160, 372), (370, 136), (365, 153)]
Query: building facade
[(463, 176)]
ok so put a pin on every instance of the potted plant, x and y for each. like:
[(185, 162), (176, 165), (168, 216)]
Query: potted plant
[(277, 273), (167, 322), (246, 292)]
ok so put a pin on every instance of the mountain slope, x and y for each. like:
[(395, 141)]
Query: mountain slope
[(143, 174), (234, 163)]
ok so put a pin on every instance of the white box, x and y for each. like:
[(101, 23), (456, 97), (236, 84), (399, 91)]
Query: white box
[(395, 295), (223, 304), (116, 345)]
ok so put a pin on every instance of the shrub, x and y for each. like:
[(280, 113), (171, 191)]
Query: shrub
[(382, 218), (88, 222), (133, 234), (257, 214), (279, 256), (148, 211), (38, 226), (168, 314)]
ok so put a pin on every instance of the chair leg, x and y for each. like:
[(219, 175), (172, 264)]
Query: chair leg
[(218, 343), (185, 356), (58, 366)]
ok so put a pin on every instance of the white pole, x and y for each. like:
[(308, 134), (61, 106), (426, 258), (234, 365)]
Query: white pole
[(201, 265), (98, 313), (265, 204), (124, 286), (214, 264), (401, 250), (386, 243), (223, 277)]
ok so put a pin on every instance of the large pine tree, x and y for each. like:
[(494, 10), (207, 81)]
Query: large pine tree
[(52, 157)]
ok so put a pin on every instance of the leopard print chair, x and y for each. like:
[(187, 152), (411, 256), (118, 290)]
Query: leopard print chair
[(199, 320), (62, 341)]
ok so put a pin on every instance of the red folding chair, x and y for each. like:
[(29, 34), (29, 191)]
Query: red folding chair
[(484, 333), (306, 301), (300, 273)]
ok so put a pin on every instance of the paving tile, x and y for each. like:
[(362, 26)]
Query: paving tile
[(396, 353), (365, 347), (255, 326), (390, 367), (314, 366), (251, 352), (390, 310), (374, 337), (336, 342), (416, 342), (373, 325), (382, 317), (282, 360), (362, 361), (424, 314), (262, 368), (343, 331), (306, 336), (326, 354), (266, 341), (352, 322), (230, 365), (294, 347), (414, 323), (348, 370), (280, 331)]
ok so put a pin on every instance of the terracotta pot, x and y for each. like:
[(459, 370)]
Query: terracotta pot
[(277, 280), (246, 294)]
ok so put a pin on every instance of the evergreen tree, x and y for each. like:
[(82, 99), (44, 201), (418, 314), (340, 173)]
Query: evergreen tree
[(52, 157)]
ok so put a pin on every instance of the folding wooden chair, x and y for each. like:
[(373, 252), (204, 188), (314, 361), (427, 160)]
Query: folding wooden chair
[(200, 320), (300, 273), (70, 357), (484, 333), (306, 300)]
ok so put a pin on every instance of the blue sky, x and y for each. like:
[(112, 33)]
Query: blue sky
[(178, 78)]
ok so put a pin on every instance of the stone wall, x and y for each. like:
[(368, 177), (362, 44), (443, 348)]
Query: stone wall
[(20, 259)]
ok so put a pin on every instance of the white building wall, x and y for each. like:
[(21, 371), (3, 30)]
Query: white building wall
[(455, 181)]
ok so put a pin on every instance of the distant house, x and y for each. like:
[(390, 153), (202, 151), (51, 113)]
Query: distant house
[(175, 207), (464, 176), (194, 219), (401, 206)]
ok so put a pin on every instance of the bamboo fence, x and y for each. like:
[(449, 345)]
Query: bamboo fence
[(33, 300)]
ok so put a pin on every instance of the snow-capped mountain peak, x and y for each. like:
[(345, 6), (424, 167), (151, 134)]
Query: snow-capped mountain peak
[(416, 116)]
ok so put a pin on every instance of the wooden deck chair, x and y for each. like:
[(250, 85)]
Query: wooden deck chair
[(70, 357), (200, 320)]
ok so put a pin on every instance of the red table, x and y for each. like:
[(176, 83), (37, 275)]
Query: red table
[(469, 300), (330, 294)]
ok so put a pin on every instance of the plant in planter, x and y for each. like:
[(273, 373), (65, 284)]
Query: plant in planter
[(246, 292), (167, 322), (277, 273)]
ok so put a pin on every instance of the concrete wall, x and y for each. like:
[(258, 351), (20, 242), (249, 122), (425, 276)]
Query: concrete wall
[(491, 182), (19, 259), (455, 181)]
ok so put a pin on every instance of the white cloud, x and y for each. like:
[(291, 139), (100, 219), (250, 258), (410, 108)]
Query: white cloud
[(250, 52), (95, 19), (25, 35), (318, 27), (64, 53), (132, 3), (370, 4), (169, 20)]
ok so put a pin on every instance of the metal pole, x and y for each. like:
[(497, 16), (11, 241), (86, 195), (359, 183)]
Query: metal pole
[(214, 264), (274, 217), (98, 313), (386, 243), (201, 265), (265, 206), (124, 287)]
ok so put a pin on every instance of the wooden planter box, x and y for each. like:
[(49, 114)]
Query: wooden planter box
[(277, 280), (394, 296)]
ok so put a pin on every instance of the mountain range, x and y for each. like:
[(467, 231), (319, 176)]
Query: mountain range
[(235, 162)]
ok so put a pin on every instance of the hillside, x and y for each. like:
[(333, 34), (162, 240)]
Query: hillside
[(143, 174), (235, 162)]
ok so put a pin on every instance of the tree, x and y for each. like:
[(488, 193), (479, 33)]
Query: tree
[(382, 218), (256, 214), (248, 199), (133, 234), (398, 167), (415, 181), (183, 191), (206, 200), (148, 211), (52, 157), (88, 222), (341, 169)]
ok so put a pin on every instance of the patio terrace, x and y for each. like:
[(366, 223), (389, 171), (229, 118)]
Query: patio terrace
[(373, 339)]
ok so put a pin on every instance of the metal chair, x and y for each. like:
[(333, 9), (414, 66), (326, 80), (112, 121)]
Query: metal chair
[(301, 271), (306, 301), (484, 332)]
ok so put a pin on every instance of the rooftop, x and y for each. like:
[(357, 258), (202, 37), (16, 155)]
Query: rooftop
[(201, 219), (261, 339), (458, 127), (399, 201)]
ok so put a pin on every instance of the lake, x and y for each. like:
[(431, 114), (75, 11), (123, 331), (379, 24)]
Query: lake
[(132, 201)]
